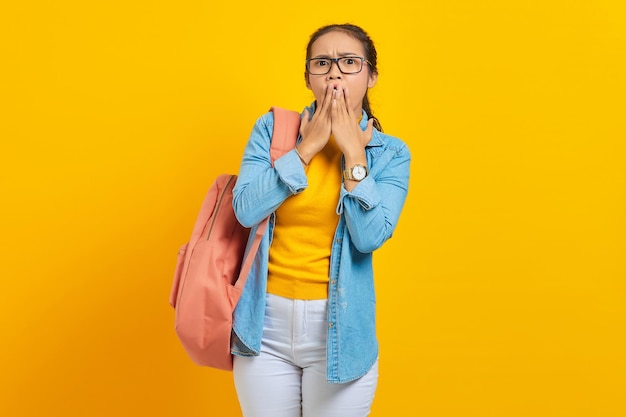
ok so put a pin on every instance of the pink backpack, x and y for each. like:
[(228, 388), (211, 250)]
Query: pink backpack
[(211, 270)]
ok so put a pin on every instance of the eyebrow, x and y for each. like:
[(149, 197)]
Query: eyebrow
[(340, 54)]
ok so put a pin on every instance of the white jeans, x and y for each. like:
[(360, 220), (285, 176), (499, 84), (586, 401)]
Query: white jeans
[(288, 378)]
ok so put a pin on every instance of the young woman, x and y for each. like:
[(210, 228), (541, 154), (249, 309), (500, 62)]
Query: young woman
[(304, 330)]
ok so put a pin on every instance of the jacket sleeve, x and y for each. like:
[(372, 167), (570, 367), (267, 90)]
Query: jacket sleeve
[(373, 207), (261, 187)]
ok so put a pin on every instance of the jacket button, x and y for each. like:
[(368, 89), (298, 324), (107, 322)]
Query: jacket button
[(330, 324)]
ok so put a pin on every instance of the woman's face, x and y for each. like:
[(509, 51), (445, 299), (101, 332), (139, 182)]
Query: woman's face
[(338, 44)]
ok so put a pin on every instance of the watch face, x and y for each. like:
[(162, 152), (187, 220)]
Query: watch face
[(359, 172)]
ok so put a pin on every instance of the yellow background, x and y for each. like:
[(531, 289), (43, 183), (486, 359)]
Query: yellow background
[(503, 290)]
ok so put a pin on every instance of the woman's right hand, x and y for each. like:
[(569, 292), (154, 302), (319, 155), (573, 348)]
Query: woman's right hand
[(316, 132)]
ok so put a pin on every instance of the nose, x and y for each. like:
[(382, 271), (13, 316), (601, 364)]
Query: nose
[(334, 73)]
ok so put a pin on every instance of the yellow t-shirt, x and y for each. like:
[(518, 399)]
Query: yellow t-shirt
[(299, 257)]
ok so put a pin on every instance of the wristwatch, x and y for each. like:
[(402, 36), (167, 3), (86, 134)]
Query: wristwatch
[(356, 173)]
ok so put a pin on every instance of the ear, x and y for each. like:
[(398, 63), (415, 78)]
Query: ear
[(306, 80), (371, 81)]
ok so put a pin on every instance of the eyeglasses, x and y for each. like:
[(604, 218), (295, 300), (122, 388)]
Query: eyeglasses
[(346, 64)]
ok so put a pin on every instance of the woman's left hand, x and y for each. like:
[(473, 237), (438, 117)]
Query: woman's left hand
[(349, 136)]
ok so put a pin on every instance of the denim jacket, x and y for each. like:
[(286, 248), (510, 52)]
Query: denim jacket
[(367, 217)]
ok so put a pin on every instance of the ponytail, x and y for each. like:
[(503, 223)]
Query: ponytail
[(370, 115)]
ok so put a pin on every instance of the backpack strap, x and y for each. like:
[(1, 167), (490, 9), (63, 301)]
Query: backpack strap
[(284, 136), (286, 129)]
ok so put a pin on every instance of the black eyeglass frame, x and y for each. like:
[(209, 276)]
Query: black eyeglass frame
[(336, 62)]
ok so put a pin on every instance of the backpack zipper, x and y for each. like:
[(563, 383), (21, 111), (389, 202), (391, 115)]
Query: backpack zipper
[(219, 204)]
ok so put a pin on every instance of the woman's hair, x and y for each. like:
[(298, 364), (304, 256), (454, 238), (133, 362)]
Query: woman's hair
[(368, 47)]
